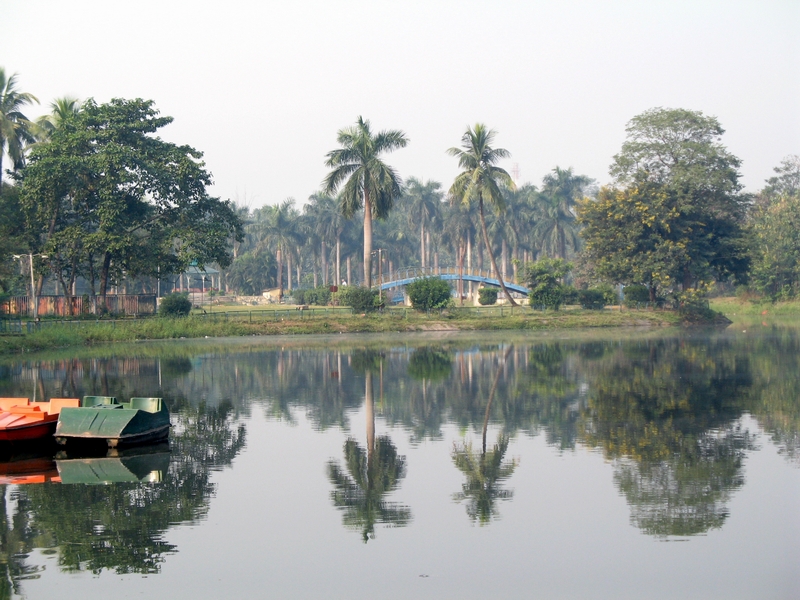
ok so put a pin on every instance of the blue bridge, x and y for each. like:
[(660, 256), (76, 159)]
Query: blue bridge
[(402, 277)]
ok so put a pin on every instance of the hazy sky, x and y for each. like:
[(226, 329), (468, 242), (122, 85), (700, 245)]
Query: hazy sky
[(262, 87)]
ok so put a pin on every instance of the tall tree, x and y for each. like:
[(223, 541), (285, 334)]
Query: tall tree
[(683, 191), (556, 229), (139, 203), (278, 230), (15, 128), (481, 180), (425, 201), (365, 180), (60, 110)]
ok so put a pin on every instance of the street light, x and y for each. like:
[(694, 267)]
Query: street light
[(33, 285)]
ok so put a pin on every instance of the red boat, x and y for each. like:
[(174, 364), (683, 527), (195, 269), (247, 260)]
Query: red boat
[(21, 419)]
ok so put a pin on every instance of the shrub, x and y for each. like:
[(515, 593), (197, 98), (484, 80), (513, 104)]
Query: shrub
[(636, 294), (175, 305), (547, 296), (593, 299), (299, 296), (362, 299), (570, 294), (429, 293), (320, 295), (487, 296), (543, 278)]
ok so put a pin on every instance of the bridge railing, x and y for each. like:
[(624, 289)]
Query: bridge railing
[(416, 272)]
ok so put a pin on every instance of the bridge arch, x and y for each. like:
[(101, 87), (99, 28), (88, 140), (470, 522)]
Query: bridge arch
[(402, 277)]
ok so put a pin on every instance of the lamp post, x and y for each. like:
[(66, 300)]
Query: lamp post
[(33, 284)]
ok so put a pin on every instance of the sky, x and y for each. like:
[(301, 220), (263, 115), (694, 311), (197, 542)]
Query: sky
[(261, 88)]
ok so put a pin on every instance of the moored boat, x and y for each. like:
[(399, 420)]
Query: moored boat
[(23, 420), (103, 418)]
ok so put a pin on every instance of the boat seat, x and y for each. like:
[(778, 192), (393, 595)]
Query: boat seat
[(6, 403), (98, 400), (151, 405), (56, 404)]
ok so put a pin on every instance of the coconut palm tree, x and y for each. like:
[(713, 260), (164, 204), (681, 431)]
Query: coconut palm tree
[(556, 229), (277, 229), (481, 180), (365, 180), (60, 110), (15, 128)]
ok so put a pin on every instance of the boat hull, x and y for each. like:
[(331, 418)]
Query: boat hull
[(140, 421)]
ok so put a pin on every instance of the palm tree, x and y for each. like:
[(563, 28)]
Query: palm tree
[(60, 110), (556, 229), (481, 180), (15, 128), (424, 207), (366, 181), (278, 230)]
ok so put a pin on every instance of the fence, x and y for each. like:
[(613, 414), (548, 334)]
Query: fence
[(58, 306)]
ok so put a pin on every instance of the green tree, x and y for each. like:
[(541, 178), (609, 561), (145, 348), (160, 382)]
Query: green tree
[(424, 208), (544, 279), (137, 204), (429, 293), (556, 230), (15, 128), (365, 180), (60, 110), (481, 180), (680, 152), (277, 229)]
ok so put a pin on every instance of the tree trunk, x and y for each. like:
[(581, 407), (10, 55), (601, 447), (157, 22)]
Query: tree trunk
[(289, 272), (279, 257), (369, 409), (324, 250), (491, 254), (504, 260), (349, 272), (104, 277), (367, 241), (422, 244), (338, 260)]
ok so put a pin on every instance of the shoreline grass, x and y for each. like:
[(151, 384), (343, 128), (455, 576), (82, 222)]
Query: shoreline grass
[(58, 335)]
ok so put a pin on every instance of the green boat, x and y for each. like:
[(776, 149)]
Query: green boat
[(103, 418)]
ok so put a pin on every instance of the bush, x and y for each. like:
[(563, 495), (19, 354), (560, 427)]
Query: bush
[(547, 296), (299, 296), (636, 294), (593, 299), (362, 299), (429, 293), (175, 305), (487, 296), (570, 294), (542, 278), (320, 295)]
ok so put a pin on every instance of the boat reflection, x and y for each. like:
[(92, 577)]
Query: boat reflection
[(144, 464)]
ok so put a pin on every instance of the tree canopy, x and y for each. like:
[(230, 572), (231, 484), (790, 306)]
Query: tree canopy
[(105, 197)]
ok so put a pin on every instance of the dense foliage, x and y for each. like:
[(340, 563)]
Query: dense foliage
[(487, 296), (109, 203), (544, 278), (361, 299), (175, 305), (429, 293)]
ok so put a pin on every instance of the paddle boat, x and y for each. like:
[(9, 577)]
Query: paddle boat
[(104, 419), (23, 420)]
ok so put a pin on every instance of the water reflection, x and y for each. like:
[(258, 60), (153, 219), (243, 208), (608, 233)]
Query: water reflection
[(369, 475), (118, 526), (666, 410)]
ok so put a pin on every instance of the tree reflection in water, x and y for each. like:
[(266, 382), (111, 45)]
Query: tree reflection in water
[(369, 475), (484, 471), (120, 527)]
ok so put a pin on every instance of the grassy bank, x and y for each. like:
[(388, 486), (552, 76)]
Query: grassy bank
[(58, 335), (734, 307)]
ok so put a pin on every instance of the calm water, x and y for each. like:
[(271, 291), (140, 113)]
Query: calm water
[(616, 465)]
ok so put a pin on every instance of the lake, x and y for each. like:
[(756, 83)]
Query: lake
[(616, 464)]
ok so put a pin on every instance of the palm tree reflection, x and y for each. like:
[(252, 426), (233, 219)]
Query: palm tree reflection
[(369, 474), (485, 471)]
